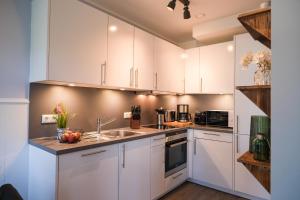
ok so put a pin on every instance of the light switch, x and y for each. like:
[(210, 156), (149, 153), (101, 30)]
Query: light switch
[(127, 115), (48, 119)]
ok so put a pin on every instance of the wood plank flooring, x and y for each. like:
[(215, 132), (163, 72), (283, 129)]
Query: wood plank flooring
[(191, 191)]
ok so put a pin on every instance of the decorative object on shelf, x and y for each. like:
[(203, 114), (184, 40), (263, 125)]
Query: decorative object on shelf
[(259, 124), (135, 120), (186, 13), (62, 117), (262, 59), (261, 148)]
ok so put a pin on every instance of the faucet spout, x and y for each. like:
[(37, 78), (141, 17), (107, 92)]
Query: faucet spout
[(100, 124)]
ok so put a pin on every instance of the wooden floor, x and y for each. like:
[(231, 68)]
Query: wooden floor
[(191, 191)]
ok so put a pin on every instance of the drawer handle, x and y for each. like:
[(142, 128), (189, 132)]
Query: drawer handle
[(175, 177), (214, 134), (156, 139), (93, 153)]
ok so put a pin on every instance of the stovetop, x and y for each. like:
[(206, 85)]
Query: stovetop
[(161, 127)]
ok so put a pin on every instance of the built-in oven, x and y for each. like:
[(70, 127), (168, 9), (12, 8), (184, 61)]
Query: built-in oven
[(176, 152)]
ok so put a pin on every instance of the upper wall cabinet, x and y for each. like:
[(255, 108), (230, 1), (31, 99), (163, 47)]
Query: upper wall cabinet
[(68, 42), (217, 68), (192, 71), (169, 67), (119, 71), (143, 60)]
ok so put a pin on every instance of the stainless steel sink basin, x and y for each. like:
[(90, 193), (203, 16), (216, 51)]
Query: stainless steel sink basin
[(118, 133)]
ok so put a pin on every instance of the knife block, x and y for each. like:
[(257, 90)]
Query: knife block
[(135, 123)]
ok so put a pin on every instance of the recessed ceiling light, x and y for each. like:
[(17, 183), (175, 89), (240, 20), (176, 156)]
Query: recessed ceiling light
[(122, 89), (200, 15), (230, 48), (71, 84), (113, 28), (184, 56)]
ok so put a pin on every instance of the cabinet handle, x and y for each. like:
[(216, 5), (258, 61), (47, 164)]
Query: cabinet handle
[(105, 72), (156, 80), (156, 139), (123, 164), (131, 77), (214, 134), (201, 82), (136, 78), (195, 150), (237, 144), (177, 144), (101, 78), (174, 177), (93, 153), (237, 124)]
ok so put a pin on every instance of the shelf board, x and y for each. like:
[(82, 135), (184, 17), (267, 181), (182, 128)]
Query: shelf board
[(258, 24), (260, 170), (260, 95)]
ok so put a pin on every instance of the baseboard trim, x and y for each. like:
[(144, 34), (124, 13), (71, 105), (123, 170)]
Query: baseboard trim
[(14, 101)]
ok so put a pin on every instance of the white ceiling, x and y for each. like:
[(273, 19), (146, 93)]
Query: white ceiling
[(153, 16)]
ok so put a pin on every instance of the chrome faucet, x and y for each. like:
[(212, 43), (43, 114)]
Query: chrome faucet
[(100, 124)]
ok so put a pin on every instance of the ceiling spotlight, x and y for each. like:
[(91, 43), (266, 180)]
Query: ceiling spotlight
[(171, 5), (186, 12)]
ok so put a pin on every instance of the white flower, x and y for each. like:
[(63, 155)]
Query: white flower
[(262, 59), (246, 60)]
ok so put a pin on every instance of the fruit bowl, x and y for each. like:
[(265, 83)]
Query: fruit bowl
[(70, 137)]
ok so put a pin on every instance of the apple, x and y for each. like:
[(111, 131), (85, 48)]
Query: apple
[(64, 138), (71, 138), (77, 135)]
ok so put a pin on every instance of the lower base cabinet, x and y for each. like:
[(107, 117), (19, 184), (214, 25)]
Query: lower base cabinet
[(134, 170), (213, 159), (90, 174)]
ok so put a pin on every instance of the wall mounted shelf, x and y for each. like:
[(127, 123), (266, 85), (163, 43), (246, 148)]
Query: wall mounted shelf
[(258, 24), (261, 170), (260, 95)]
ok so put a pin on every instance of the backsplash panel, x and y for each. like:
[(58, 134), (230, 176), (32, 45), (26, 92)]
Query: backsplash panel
[(89, 103)]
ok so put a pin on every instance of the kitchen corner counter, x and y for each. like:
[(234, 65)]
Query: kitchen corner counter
[(53, 146)]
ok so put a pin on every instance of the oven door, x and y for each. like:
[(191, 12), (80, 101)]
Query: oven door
[(176, 156)]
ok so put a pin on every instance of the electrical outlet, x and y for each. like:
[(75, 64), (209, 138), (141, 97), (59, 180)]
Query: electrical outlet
[(127, 115), (48, 119)]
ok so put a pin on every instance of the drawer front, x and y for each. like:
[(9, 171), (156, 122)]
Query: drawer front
[(176, 179), (211, 135), (158, 140)]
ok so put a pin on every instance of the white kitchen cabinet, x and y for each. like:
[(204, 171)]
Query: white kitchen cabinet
[(217, 68), (119, 71), (176, 179), (134, 170), (190, 151), (157, 167), (143, 59), (212, 159), (91, 174), (192, 71), (245, 182), (169, 67), (68, 42)]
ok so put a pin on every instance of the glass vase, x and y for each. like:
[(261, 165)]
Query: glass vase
[(60, 132), (262, 77)]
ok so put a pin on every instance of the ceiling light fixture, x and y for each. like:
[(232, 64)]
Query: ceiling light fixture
[(171, 6), (186, 13), (113, 28)]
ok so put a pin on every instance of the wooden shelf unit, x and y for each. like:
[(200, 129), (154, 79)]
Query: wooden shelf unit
[(258, 24), (261, 170), (260, 95)]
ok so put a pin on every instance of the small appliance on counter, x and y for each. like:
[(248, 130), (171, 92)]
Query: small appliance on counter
[(183, 114), (216, 118), (170, 116), (160, 114), (135, 120)]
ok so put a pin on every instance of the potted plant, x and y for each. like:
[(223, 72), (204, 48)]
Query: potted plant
[(262, 59), (62, 117)]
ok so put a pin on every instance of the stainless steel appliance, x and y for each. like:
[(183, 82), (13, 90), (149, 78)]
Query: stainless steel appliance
[(160, 114), (176, 152), (218, 118), (170, 116), (183, 114)]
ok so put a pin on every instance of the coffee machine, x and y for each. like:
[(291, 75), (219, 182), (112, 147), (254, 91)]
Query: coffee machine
[(183, 114)]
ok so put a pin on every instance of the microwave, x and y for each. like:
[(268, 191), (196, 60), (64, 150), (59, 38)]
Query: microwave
[(217, 118)]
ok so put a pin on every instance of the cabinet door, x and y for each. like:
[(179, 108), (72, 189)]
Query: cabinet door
[(119, 71), (134, 170), (212, 163), (157, 175), (77, 42), (190, 152), (169, 67), (245, 182), (91, 174), (192, 71), (143, 59), (217, 68), (244, 44)]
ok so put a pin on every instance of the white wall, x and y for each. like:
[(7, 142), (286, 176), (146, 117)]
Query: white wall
[(14, 74), (285, 173)]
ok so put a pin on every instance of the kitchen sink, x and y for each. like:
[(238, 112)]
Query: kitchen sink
[(118, 133)]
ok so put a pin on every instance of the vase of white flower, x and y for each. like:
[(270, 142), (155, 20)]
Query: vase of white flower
[(262, 59)]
